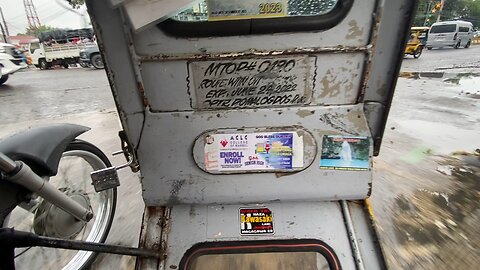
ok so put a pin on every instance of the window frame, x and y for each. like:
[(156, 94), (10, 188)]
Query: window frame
[(261, 246), (237, 27)]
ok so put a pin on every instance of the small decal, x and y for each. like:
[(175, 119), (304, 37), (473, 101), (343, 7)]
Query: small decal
[(350, 153), (219, 10), (256, 221)]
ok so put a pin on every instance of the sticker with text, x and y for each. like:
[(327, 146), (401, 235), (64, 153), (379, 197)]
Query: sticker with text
[(254, 221)]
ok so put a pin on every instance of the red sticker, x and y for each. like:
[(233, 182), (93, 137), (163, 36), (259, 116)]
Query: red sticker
[(256, 221)]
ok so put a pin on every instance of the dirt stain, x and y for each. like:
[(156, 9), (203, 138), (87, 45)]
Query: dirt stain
[(439, 230), (354, 30)]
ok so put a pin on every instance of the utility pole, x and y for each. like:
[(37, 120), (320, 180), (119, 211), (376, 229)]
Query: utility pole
[(3, 33), (5, 25), (442, 2), (31, 12)]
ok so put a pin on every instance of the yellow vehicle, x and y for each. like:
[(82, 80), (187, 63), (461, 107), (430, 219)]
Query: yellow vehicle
[(417, 41)]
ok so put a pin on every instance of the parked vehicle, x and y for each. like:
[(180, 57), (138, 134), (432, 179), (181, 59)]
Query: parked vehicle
[(454, 34), (59, 47), (90, 55), (11, 61), (45, 56), (417, 41), (45, 188)]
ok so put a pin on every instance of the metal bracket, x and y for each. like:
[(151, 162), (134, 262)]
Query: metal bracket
[(108, 178), (129, 152)]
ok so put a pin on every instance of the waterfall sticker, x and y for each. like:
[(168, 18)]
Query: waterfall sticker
[(350, 153)]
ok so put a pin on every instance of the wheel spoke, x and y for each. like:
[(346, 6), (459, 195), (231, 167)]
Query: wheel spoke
[(75, 167)]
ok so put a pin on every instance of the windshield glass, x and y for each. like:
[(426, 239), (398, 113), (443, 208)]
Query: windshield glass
[(213, 9), (446, 28)]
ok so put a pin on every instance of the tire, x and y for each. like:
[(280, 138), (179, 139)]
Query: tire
[(65, 65), (43, 64), (457, 45), (429, 48), (97, 61), (3, 79), (417, 52), (468, 44), (77, 153)]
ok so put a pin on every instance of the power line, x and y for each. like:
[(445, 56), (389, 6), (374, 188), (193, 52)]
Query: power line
[(22, 15)]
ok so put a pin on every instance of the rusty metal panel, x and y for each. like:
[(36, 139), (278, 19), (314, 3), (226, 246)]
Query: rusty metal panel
[(321, 79), (172, 177), (368, 243), (153, 223), (119, 67), (385, 62), (221, 223)]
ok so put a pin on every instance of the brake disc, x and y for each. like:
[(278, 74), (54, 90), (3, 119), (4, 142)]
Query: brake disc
[(52, 221)]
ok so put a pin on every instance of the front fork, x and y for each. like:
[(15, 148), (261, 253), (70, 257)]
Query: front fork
[(20, 173)]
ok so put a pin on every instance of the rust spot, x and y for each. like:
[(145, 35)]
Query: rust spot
[(369, 189), (255, 53), (142, 94)]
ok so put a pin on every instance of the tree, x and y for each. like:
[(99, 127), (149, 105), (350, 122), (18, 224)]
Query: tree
[(452, 10), (41, 29)]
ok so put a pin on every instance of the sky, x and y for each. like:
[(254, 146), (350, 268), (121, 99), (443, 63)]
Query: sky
[(50, 12)]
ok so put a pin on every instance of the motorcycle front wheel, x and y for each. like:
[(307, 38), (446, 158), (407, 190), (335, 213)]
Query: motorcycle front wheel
[(38, 216)]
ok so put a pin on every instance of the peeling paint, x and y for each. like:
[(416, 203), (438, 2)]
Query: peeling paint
[(254, 53), (336, 122), (305, 113), (330, 88), (354, 30)]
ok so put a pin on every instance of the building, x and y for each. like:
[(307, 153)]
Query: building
[(21, 41)]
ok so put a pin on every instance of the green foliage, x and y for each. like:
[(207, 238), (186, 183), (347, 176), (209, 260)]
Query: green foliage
[(468, 10), (36, 31), (360, 149)]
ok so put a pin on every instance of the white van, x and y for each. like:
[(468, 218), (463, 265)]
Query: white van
[(450, 33)]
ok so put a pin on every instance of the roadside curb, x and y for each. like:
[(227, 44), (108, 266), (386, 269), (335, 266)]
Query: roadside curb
[(436, 74)]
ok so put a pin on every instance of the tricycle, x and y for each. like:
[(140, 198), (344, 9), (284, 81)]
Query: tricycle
[(417, 41), (253, 125)]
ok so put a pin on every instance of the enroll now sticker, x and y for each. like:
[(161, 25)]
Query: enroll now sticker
[(255, 221)]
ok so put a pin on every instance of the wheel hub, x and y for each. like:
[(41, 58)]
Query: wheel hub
[(52, 221)]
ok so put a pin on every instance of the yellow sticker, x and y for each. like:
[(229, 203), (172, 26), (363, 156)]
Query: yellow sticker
[(221, 10)]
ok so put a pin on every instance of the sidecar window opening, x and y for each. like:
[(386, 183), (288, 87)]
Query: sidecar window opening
[(298, 254)]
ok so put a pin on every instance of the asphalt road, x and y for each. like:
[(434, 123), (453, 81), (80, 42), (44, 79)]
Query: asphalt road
[(447, 60), (430, 118)]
